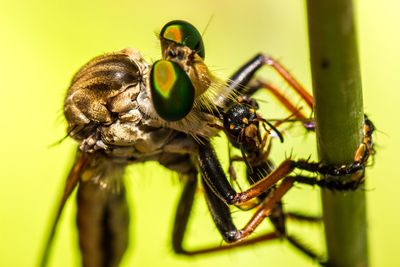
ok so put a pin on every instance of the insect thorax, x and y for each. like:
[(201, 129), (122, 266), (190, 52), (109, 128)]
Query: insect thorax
[(108, 107)]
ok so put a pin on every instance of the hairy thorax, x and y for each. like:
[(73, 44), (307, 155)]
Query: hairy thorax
[(108, 108)]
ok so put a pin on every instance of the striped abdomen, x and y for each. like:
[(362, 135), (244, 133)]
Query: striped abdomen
[(107, 84)]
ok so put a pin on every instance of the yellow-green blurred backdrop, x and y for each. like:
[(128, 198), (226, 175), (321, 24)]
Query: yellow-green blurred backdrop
[(42, 44)]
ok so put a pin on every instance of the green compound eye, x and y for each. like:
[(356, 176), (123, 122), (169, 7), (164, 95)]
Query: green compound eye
[(184, 33), (171, 90)]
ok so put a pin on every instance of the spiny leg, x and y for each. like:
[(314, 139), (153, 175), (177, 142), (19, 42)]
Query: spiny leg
[(278, 212), (240, 79), (268, 60), (220, 194), (228, 229), (278, 216), (223, 193), (242, 84), (222, 217), (218, 182), (333, 185), (221, 214), (356, 169), (219, 210), (296, 113), (284, 100)]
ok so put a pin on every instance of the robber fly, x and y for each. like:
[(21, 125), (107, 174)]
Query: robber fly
[(122, 110)]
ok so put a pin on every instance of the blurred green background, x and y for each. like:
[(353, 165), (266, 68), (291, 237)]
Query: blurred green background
[(43, 43)]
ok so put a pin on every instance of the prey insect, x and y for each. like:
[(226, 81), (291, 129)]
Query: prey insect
[(242, 126), (122, 110)]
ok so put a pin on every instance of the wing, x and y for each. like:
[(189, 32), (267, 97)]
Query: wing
[(80, 165)]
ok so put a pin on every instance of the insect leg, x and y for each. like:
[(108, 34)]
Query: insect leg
[(221, 215), (183, 212), (285, 74), (302, 217), (219, 210), (228, 230), (257, 84), (334, 185), (240, 79), (278, 219), (218, 182), (278, 216), (355, 169), (305, 249)]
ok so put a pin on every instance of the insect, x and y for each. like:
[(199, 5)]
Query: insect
[(122, 110), (241, 124)]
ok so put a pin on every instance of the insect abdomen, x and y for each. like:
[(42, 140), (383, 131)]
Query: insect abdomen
[(105, 85), (106, 73)]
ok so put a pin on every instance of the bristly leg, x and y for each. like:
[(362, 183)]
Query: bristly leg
[(240, 83), (356, 169)]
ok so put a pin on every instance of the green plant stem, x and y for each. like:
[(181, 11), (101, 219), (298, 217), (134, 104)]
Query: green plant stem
[(339, 122)]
